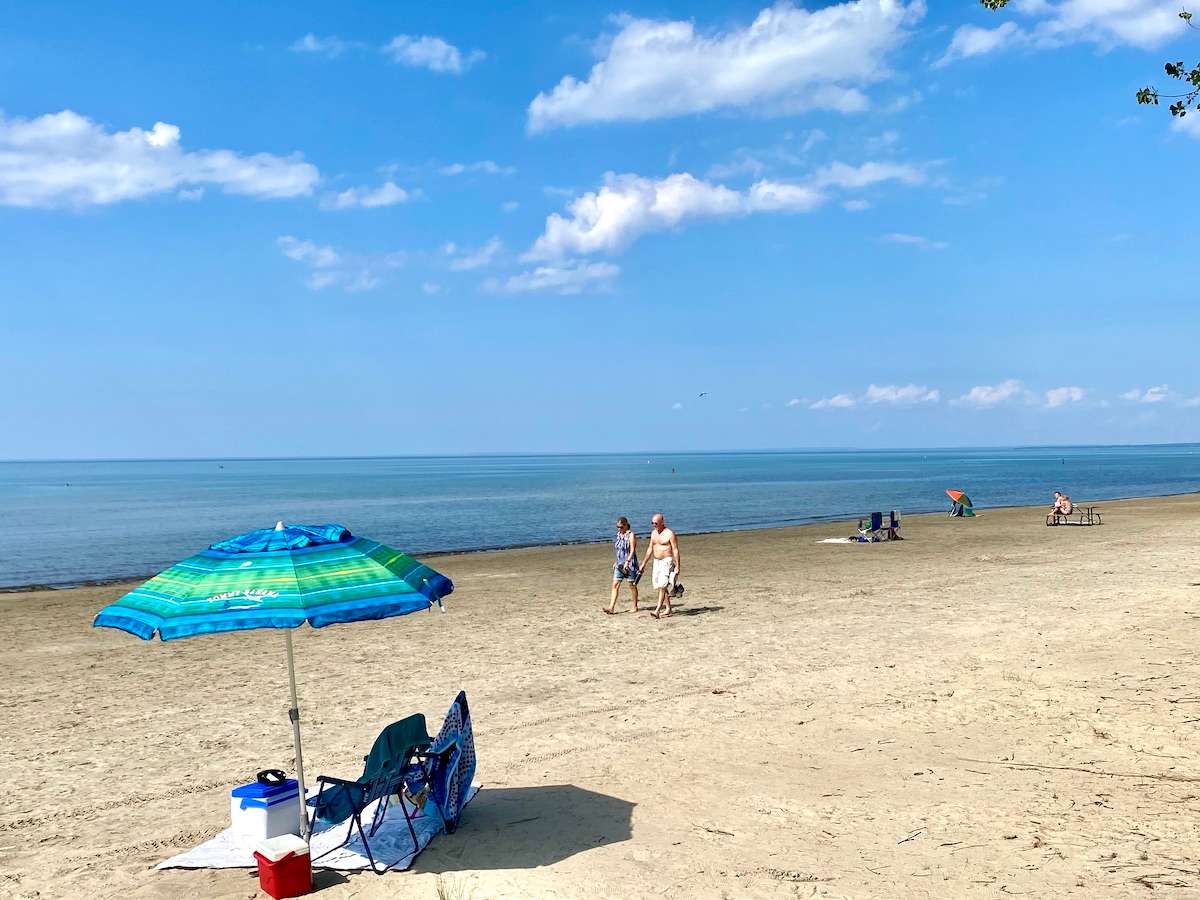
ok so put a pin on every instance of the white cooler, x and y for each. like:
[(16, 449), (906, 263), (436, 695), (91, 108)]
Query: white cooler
[(261, 811)]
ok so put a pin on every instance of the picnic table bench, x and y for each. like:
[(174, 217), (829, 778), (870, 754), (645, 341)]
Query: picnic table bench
[(1079, 515)]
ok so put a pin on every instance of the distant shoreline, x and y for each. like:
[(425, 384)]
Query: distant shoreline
[(462, 551), (518, 454)]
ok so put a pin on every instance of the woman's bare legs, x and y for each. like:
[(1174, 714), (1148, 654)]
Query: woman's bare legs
[(612, 604)]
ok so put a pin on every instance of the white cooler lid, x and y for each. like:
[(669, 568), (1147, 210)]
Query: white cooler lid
[(277, 848)]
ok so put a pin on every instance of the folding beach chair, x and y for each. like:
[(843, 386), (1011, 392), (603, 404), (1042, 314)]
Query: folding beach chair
[(870, 531), (397, 766), (893, 526)]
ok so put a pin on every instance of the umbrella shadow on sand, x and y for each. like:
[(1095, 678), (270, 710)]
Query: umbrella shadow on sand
[(523, 828)]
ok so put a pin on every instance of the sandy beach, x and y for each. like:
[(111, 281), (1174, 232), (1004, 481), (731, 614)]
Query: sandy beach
[(989, 708)]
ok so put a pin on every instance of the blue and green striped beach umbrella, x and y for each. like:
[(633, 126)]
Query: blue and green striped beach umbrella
[(279, 577)]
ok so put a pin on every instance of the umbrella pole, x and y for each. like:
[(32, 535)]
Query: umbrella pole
[(294, 715)]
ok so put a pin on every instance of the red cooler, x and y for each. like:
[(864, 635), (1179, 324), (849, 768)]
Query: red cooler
[(284, 866)]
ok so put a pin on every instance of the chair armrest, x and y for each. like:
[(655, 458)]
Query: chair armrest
[(329, 779)]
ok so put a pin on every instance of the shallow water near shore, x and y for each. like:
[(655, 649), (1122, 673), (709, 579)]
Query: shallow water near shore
[(72, 522)]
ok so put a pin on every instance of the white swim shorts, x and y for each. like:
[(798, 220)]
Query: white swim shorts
[(664, 572)]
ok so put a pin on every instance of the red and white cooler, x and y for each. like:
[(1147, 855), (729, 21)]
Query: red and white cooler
[(284, 866)]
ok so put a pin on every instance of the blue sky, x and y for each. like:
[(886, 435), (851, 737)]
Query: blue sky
[(301, 229)]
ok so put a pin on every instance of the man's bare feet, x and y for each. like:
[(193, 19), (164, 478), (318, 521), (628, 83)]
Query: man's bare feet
[(607, 611)]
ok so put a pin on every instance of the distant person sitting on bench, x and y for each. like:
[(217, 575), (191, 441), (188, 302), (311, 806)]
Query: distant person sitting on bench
[(1062, 504)]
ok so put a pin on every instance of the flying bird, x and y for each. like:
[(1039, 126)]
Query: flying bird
[(704, 393)]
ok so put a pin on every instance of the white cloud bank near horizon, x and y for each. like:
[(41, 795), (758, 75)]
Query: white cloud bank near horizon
[(65, 159), (787, 60)]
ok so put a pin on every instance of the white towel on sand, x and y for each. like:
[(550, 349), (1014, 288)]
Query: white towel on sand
[(229, 850)]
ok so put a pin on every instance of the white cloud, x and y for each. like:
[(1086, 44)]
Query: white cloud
[(676, 406), (486, 166), (477, 259), (429, 52), (387, 194), (985, 395), (67, 160), (786, 59), (901, 395), (330, 47), (1189, 124), (308, 252), (1191, 402), (971, 40), (567, 278), (914, 240), (1156, 394), (903, 102), (837, 401), (1108, 23), (856, 205), (430, 288), (331, 268), (794, 402), (628, 206), (849, 177), (1056, 397), (509, 206)]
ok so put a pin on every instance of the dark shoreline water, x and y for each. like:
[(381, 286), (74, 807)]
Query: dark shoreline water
[(73, 523)]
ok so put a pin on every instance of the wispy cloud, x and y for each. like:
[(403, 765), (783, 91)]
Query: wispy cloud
[(485, 166), (901, 395), (67, 160), (1108, 23), (971, 40), (567, 278), (1061, 396), (387, 194), (329, 268), (1156, 394), (986, 395), (837, 401), (476, 259), (430, 52), (914, 240), (330, 47)]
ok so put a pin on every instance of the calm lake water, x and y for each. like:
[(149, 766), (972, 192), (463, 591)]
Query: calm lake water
[(67, 522)]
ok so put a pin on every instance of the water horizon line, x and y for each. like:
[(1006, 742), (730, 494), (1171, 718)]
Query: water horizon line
[(550, 454)]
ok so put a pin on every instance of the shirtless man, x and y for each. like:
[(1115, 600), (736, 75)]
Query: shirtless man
[(664, 551)]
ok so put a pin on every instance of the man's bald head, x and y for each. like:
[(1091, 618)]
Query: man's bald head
[(657, 520)]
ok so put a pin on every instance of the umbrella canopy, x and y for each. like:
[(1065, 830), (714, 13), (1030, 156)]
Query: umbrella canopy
[(279, 577), (958, 497)]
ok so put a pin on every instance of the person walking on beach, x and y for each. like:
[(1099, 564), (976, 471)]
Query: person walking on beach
[(664, 551), (626, 568)]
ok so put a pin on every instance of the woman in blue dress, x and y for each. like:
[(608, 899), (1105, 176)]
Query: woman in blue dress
[(626, 567)]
